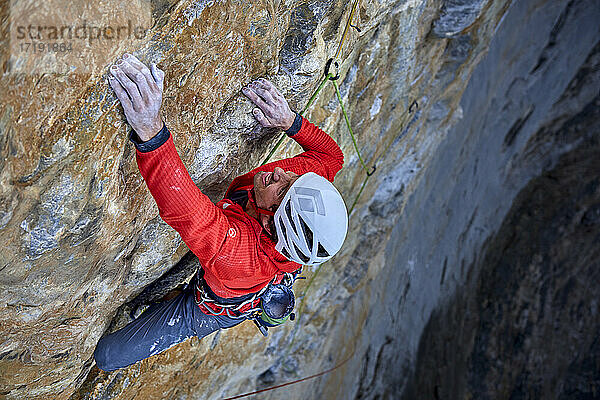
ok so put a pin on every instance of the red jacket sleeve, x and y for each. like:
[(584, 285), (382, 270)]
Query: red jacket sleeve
[(202, 225), (321, 153)]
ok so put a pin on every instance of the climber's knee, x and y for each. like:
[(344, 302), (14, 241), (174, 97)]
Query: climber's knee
[(105, 355)]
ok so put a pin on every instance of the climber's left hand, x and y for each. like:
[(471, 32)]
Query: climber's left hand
[(139, 89), (273, 110)]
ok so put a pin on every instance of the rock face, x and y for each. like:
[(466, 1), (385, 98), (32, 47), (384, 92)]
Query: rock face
[(472, 252)]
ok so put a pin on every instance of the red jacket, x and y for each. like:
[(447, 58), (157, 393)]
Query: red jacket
[(237, 256)]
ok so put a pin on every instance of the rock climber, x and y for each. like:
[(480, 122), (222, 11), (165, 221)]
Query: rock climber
[(271, 221)]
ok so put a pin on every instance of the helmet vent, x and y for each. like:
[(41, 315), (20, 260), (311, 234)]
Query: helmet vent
[(302, 256), (312, 195), (284, 230), (321, 252), (308, 234), (285, 252), (288, 211)]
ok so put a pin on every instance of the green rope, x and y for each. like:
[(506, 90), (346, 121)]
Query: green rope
[(316, 93), (339, 96), (311, 100), (306, 107), (387, 147), (368, 175), (274, 149), (359, 193)]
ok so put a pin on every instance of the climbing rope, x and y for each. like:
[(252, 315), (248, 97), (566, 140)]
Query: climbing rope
[(306, 107), (368, 174), (404, 126), (295, 381), (339, 96), (348, 25)]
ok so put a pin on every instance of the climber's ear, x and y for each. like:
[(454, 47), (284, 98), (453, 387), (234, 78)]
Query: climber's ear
[(268, 224)]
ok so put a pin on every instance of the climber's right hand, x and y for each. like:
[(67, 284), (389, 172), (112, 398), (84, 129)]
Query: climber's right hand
[(139, 90), (273, 110)]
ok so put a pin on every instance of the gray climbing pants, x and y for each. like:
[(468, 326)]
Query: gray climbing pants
[(160, 327)]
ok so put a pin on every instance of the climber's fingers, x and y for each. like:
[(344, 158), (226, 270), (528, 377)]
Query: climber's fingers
[(265, 94), (121, 94), (261, 118), (138, 78), (137, 64), (273, 91), (144, 110), (129, 86), (273, 106), (256, 99)]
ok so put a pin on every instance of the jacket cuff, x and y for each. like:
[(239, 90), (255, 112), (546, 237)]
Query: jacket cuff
[(158, 140), (295, 128)]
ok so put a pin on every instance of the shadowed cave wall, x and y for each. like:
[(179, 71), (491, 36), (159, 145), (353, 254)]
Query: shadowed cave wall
[(524, 324), (523, 320)]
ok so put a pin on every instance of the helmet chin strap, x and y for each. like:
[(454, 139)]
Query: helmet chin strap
[(258, 210)]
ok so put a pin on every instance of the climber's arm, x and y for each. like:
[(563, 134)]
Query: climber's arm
[(201, 224), (321, 153)]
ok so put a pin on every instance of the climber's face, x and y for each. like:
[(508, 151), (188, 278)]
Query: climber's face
[(271, 187), (269, 190)]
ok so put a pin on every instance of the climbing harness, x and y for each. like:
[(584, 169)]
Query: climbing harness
[(212, 306), (255, 306)]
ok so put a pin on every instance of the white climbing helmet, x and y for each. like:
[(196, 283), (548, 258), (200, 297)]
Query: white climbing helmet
[(311, 221)]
